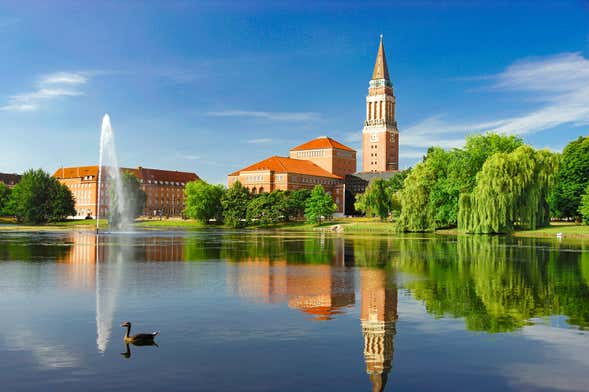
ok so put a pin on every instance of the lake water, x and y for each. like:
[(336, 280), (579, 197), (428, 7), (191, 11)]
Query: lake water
[(268, 311)]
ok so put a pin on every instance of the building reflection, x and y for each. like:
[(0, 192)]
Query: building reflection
[(81, 261), (319, 290), (378, 316)]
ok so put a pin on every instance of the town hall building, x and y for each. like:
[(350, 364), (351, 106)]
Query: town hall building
[(327, 162)]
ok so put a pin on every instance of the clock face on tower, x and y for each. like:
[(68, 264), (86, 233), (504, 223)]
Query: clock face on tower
[(373, 137)]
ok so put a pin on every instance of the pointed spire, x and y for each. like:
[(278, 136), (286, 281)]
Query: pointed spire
[(381, 71)]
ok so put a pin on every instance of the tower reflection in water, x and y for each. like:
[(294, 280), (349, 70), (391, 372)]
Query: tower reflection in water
[(324, 291), (378, 315)]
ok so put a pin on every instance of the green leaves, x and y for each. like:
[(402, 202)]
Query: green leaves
[(511, 190), (203, 201), (319, 205), (430, 198), (39, 198), (235, 203), (380, 198), (571, 179), (4, 198)]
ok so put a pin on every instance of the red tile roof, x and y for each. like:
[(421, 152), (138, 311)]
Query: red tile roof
[(140, 172), (322, 142), (287, 165), (10, 178)]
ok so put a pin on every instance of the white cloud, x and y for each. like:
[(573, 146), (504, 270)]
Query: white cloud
[(566, 347), (260, 141), (51, 86), (278, 116), (64, 78), (558, 84)]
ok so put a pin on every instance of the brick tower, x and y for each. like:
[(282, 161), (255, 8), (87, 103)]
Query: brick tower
[(380, 136)]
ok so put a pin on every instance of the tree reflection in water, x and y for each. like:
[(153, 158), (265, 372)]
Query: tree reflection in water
[(496, 284)]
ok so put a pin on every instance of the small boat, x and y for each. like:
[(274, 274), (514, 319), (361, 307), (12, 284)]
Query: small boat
[(139, 338)]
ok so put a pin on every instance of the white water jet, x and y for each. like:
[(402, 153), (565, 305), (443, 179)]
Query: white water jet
[(112, 195), (109, 276), (111, 191)]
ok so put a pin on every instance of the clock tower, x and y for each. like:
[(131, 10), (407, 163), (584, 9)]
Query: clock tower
[(380, 136)]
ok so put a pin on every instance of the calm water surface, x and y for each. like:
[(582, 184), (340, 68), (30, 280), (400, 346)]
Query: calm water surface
[(244, 311)]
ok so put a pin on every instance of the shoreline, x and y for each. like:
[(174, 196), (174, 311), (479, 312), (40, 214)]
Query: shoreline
[(370, 226)]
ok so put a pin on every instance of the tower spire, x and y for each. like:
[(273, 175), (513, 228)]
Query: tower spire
[(381, 71)]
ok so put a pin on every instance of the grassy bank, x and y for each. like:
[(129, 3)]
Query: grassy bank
[(340, 225), (564, 229)]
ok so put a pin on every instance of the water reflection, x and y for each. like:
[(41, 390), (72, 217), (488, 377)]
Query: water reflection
[(489, 284), (127, 354), (378, 315)]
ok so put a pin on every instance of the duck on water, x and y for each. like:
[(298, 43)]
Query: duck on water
[(138, 338)]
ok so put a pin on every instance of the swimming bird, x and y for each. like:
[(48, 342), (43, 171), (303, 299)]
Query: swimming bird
[(140, 337)]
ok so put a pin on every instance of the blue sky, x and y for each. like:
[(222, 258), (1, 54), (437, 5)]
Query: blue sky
[(213, 86)]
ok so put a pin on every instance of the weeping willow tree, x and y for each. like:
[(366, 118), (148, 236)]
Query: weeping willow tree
[(417, 213), (510, 191)]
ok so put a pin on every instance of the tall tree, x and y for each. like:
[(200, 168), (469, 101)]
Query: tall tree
[(571, 179), (584, 206), (4, 197), (511, 190), (39, 198), (319, 205), (266, 208), (376, 200), (431, 196), (294, 203), (234, 203), (203, 201)]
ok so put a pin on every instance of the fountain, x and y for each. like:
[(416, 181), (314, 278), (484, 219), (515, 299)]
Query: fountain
[(111, 193), (109, 176)]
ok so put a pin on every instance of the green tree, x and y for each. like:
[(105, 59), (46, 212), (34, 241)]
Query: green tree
[(294, 203), (380, 197), (203, 201), (266, 208), (63, 204), (39, 198), (319, 205), (4, 197), (571, 179), (430, 197), (235, 202), (511, 190), (584, 206), (376, 200)]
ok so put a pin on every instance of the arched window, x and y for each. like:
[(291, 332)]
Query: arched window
[(261, 189), (254, 190)]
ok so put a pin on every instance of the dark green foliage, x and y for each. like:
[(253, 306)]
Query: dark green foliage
[(63, 203), (376, 200), (203, 201), (511, 191), (380, 197), (266, 208), (294, 203), (431, 192), (571, 179), (4, 197), (235, 202), (319, 205), (39, 198), (584, 206)]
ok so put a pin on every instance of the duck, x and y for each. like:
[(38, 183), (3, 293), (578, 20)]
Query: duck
[(138, 338)]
